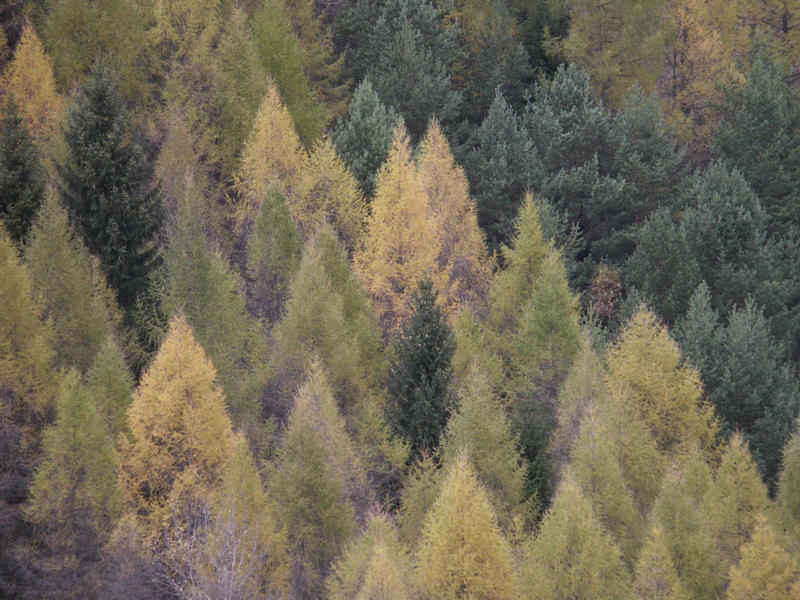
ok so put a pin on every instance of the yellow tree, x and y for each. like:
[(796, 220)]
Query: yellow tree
[(182, 441), (272, 154), (656, 576), (780, 19), (330, 194), (766, 571), (400, 246), (463, 261), (462, 553), (29, 80), (666, 392)]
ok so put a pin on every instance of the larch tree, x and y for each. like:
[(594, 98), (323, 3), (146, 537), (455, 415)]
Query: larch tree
[(475, 352), (766, 571), (70, 286), (462, 552), (481, 428), (21, 175), (330, 195), (319, 485), (110, 383), (735, 499), (274, 250), (107, 186), (668, 394), (420, 490), (29, 81), (272, 155), (573, 556), (463, 262), (419, 374), (375, 565), (400, 244), (656, 575), (181, 440), (74, 499), (364, 135), (788, 497)]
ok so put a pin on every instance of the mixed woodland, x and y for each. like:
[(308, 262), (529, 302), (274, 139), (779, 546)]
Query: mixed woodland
[(399, 299)]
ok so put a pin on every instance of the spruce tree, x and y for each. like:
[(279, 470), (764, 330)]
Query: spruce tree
[(462, 552), (107, 185), (21, 175), (419, 374), (364, 134)]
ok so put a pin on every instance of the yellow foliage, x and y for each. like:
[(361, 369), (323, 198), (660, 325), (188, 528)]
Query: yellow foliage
[(401, 246), (656, 576), (667, 392), (464, 268), (272, 154), (463, 553), (29, 79)]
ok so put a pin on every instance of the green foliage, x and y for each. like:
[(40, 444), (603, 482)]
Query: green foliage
[(70, 286), (273, 257), (420, 490), (573, 556), (462, 552), (21, 175), (318, 484), (107, 186), (110, 383), (656, 576), (419, 374), (363, 136)]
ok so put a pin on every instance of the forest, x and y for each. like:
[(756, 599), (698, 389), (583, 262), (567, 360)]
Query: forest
[(399, 299)]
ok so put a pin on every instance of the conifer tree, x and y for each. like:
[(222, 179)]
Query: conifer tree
[(474, 352), (656, 576), (107, 186), (273, 257), (363, 136), (330, 195), (462, 261), (420, 490), (680, 512), (766, 570), (788, 498), (419, 374), (70, 286), (573, 556), (272, 155), (735, 499), (462, 552), (28, 81), (110, 384), (667, 393), (74, 500), (181, 438), (482, 429), (21, 175), (200, 285), (400, 245), (375, 565), (319, 485), (501, 165)]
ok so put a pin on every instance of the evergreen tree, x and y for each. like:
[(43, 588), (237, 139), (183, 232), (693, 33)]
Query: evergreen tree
[(70, 286), (419, 374), (501, 164), (21, 175), (481, 428), (656, 576), (759, 134), (735, 499), (74, 500), (573, 556), (363, 136), (28, 81), (400, 245), (106, 185), (462, 552), (111, 385), (316, 482), (766, 570), (273, 257)]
